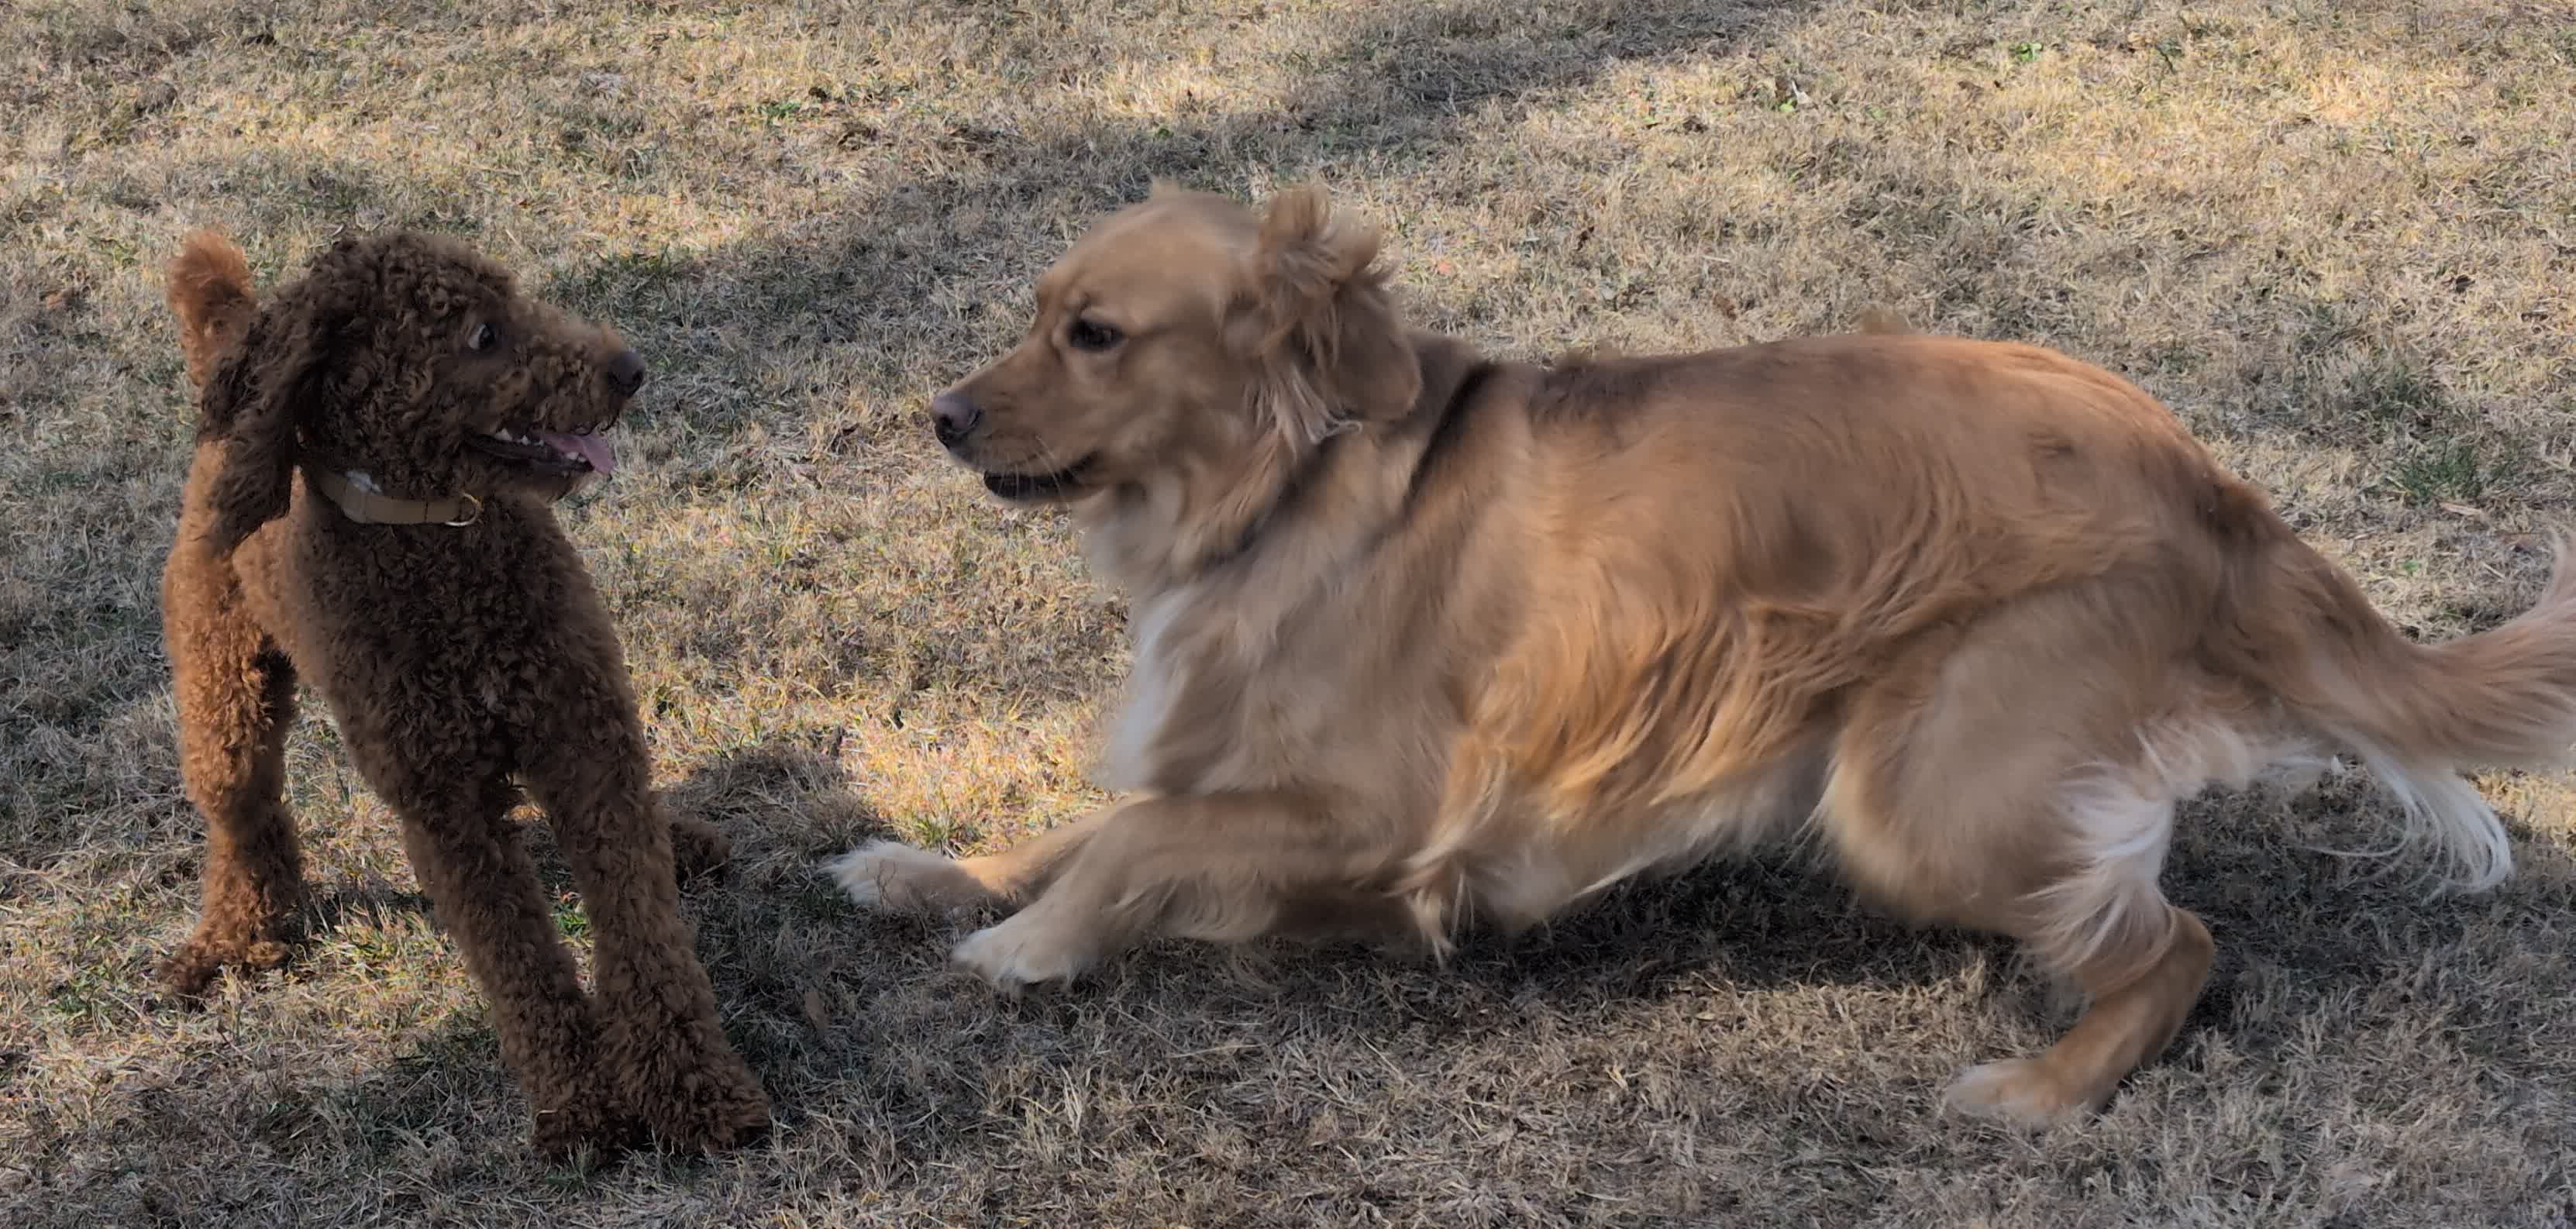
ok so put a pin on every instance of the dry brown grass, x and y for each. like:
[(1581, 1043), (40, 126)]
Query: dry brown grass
[(2339, 235)]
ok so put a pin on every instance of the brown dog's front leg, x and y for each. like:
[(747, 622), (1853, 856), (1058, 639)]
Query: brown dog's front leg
[(698, 848), (485, 889), (661, 1043)]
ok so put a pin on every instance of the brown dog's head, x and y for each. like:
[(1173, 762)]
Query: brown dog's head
[(1189, 348), (406, 358)]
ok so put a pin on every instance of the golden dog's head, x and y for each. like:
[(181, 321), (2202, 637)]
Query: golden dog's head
[(1188, 352)]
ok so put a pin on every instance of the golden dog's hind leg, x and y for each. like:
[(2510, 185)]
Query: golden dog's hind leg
[(1223, 868), (2133, 1017), (1974, 788), (2075, 885)]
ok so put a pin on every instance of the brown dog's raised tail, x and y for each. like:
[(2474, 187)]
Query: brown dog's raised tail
[(209, 288)]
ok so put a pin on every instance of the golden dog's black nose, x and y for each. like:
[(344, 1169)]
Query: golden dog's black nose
[(626, 372), (952, 417)]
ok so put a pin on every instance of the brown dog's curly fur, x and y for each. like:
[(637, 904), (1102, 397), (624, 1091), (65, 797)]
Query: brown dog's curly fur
[(460, 661)]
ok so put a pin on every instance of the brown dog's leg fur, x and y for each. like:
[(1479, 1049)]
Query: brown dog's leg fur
[(236, 700), (662, 1046), (478, 875)]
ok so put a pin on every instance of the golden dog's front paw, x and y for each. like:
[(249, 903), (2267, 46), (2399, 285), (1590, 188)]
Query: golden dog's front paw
[(1023, 951), (2017, 1092), (896, 878)]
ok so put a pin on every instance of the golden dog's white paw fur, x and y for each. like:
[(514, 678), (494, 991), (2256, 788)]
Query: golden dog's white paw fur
[(1024, 950), (891, 877), (2016, 1092)]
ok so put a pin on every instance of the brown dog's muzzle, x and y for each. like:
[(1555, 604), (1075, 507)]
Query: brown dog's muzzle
[(626, 371)]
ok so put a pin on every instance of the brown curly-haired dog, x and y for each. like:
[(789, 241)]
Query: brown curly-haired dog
[(370, 504)]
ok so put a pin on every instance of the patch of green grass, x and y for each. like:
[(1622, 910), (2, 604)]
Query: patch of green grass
[(571, 920), (2398, 399), (2437, 473)]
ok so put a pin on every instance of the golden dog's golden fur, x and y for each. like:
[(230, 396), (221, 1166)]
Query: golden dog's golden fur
[(1423, 637)]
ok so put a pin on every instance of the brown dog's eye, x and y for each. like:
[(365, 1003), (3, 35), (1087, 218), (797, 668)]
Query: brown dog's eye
[(1092, 335), (482, 338)]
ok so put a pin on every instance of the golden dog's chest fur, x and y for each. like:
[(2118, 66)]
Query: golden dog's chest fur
[(1307, 662), (1424, 637)]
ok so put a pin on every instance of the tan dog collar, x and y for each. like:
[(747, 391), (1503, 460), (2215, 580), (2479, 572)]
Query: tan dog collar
[(376, 508)]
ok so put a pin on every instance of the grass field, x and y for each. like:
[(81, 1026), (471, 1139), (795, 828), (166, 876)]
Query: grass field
[(2339, 236)]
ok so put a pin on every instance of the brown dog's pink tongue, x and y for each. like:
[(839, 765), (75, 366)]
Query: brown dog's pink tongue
[(593, 448)]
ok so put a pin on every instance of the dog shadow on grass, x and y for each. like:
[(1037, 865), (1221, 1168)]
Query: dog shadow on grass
[(856, 1021), (832, 1002), (336, 903)]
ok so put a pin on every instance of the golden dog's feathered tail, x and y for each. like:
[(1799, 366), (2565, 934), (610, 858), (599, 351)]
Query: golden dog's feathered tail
[(2416, 714)]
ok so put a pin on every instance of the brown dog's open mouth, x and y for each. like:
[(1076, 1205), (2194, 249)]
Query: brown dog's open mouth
[(1037, 486), (550, 452)]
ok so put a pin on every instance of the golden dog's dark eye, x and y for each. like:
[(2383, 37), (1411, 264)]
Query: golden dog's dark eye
[(482, 338), (1092, 335)]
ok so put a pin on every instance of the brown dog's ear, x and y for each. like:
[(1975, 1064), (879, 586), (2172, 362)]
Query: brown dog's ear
[(1321, 326), (261, 391)]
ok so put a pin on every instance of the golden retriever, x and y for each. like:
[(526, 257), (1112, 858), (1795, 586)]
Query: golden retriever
[(1424, 636)]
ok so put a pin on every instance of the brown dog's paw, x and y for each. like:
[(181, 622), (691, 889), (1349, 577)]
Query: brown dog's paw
[(681, 1078), (562, 1132), (717, 1111), (698, 847), (190, 970)]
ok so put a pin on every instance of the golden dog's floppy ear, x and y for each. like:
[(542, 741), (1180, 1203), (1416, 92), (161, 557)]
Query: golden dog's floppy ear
[(263, 388), (1321, 326)]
